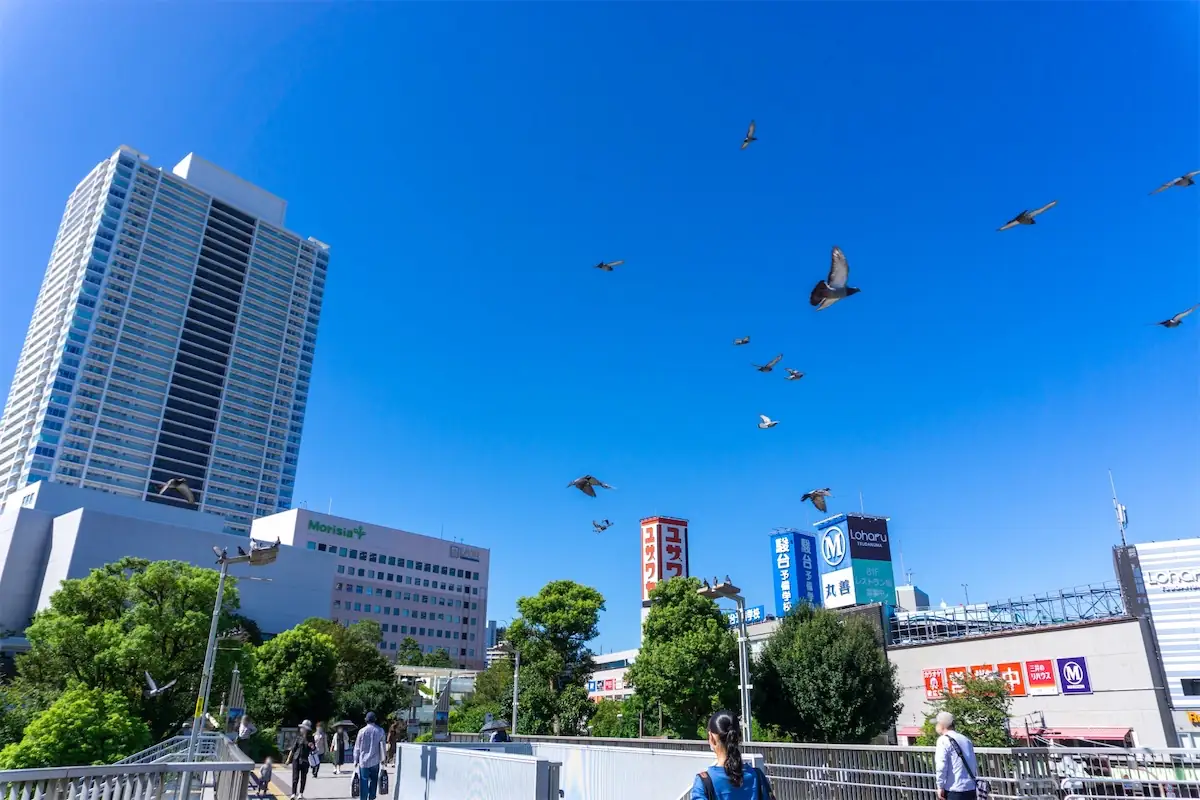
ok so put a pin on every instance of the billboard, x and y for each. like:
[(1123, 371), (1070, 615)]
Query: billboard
[(935, 683), (868, 537), (664, 552), (837, 588), (754, 615), (1167, 578), (794, 570), (1073, 675), (861, 545), (1024, 678), (1039, 677), (651, 566)]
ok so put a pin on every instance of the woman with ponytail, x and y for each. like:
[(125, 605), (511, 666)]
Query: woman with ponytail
[(729, 779)]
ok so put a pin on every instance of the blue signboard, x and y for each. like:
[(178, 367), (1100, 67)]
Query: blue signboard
[(794, 570), (1073, 676), (754, 615)]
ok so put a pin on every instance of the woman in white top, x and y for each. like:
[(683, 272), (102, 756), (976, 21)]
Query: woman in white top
[(320, 747)]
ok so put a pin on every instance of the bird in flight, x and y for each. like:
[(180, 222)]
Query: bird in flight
[(587, 484), (741, 341), (750, 137), (817, 496), (180, 487), (1182, 181), (155, 690), (1027, 217), (1177, 320), (770, 365), (607, 266), (601, 526), (833, 288), (793, 374), (767, 422)]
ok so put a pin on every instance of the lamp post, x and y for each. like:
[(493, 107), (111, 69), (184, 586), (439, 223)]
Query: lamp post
[(507, 648), (258, 557), (726, 589)]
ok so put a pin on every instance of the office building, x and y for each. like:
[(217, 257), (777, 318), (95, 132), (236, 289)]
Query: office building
[(173, 336), (430, 589)]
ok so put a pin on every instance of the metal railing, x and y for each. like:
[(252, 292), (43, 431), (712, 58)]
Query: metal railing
[(859, 772), (153, 774)]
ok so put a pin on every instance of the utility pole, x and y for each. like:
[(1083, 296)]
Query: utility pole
[(966, 596), (1122, 517)]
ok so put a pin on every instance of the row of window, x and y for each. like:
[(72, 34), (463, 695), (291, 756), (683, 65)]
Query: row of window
[(407, 579), (415, 597), (394, 561)]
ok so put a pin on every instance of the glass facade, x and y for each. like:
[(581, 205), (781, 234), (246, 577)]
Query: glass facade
[(173, 336)]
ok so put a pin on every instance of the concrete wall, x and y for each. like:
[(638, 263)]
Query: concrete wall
[(85, 539), (455, 773), (1120, 663), (60, 498), (24, 547)]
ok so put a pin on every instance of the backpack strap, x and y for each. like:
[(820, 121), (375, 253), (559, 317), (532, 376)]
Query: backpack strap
[(765, 792), (709, 791)]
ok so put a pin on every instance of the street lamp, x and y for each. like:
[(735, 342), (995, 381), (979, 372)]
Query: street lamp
[(726, 589), (507, 648), (257, 557)]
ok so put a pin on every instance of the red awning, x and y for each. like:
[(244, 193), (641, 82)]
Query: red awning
[(1093, 734), (911, 730)]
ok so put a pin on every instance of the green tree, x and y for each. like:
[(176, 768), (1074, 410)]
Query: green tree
[(382, 697), (609, 720), (83, 726), (294, 677), (409, 653), (470, 717), (359, 657), (980, 712), (494, 685), (552, 633), (824, 677), (438, 658), (19, 704), (688, 658), (127, 618)]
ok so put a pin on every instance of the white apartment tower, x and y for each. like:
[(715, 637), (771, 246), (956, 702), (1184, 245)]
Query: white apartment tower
[(173, 336)]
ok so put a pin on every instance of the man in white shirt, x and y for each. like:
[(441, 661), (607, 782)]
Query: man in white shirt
[(955, 766)]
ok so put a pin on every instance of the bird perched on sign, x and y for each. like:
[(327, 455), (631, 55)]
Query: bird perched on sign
[(1027, 217), (1183, 180), (742, 341), (770, 365), (767, 422), (817, 496), (601, 526), (607, 266), (833, 288), (750, 137), (1177, 320), (587, 484), (180, 487), (155, 690), (793, 374)]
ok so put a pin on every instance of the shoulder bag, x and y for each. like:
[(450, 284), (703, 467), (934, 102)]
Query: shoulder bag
[(765, 792), (983, 789)]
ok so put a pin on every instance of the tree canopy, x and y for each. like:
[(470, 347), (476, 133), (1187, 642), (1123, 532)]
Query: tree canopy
[(824, 677), (552, 634), (83, 726), (358, 653), (295, 675), (688, 658), (980, 710), (409, 653)]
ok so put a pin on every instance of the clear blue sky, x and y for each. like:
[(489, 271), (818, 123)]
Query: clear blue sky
[(469, 163)]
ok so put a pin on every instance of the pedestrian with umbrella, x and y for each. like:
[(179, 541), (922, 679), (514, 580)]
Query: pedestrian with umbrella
[(496, 730), (341, 744)]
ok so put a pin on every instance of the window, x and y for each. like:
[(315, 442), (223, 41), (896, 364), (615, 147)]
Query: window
[(418, 565), (409, 563), (391, 576), (341, 551), (1190, 686), (372, 558), (312, 545), (360, 572), (341, 571), (387, 592), (358, 606), (371, 574), (394, 628), (408, 579), (362, 556), (393, 646), (358, 590), (391, 561), (425, 584), (337, 603), (321, 547), (354, 554), (444, 571), (387, 611)]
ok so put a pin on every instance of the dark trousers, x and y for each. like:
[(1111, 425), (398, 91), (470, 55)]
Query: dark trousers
[(968, 795), (299, 775), (317, 766), (369, 779)]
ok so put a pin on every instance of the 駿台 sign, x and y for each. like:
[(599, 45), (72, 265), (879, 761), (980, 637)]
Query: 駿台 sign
[(794, 570)]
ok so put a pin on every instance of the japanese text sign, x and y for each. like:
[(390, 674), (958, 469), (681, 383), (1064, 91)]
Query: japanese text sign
[(651, 565), (1040, 677), (1010, 673), (935, 683), (794, 570), (956, 678), (674, 549)]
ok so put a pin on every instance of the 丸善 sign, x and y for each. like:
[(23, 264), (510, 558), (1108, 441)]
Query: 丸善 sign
[(797, 577), (464, 552), (837, 588), (349, 533)]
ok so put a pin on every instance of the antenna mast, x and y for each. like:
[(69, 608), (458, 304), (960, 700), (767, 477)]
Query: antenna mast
[(1122, 517)]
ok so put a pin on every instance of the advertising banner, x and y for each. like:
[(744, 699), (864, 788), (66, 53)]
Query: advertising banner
[(873, 582), (651, 565), (1167, 581), (832, 545), (983, 670), (868, 538), (674, 549), (837, 588), (955, 678), (1073, 676), (754, 615), (1010, 672), (935, 683), (794, 570), (1040, 679)]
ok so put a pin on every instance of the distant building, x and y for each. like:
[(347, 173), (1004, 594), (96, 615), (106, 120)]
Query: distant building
[(608, 681), (910, 598)]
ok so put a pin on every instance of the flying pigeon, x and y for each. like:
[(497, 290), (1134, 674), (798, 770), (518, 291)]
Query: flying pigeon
[(1182, 181), (180, 486), (601, 526), (833, 288), (155, 690), (750, 137), (793, 374), (818, 498), (1177, 320), (742, 341), (767, 422), (587, 485), (770, 365), (1027, 217), (607, 266)]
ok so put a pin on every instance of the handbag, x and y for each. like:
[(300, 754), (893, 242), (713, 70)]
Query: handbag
[(383, 781), (314, 759), (983, 788), (354, 785)]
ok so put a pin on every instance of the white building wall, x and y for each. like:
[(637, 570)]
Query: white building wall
[(24, 548)]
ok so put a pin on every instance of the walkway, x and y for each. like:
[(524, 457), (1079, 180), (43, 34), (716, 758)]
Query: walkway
[(327, 786)]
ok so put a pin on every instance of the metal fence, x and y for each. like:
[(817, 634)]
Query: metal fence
[(856, 772), (153, 774)]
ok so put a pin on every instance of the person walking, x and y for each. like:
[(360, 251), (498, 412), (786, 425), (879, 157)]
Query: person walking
[(954, 761), (320, 746), (393, 739), (298, 755), (729, 778), (341, 743), (368, 754)]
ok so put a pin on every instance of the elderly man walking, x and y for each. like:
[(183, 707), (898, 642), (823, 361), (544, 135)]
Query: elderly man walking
[(368, 754), (954, 761)]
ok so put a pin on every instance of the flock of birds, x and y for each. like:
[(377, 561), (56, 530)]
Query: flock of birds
[(833, 288)]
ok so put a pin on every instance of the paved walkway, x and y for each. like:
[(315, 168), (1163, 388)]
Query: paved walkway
[(327, 786)]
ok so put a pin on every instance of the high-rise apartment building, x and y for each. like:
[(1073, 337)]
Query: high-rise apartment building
[(173, 336)]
